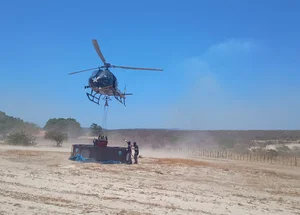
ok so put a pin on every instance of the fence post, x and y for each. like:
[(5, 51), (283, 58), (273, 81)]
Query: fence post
[(295, 161)]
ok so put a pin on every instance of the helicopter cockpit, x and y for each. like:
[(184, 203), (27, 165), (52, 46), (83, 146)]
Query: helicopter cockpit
[(103, 78)]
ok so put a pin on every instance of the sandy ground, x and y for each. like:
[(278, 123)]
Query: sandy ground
[(41, 180)]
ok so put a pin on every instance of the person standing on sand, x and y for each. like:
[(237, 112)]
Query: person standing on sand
[(136, 152), (129, 152)]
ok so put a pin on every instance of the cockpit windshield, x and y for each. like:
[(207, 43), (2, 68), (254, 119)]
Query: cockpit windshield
[(95, 73)]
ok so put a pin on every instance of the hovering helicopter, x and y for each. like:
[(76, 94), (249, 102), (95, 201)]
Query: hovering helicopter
[(103, 82)]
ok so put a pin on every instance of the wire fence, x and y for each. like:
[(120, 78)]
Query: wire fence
[(250, 157)]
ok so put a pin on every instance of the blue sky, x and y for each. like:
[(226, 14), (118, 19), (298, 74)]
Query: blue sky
[(227, 64)]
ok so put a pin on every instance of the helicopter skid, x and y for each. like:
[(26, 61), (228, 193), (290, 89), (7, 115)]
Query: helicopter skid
[(94, 97)]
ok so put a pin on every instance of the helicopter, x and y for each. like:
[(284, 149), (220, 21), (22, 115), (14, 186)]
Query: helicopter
[(103, 82)]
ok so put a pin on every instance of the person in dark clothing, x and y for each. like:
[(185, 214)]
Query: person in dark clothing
[(129, 152), (136, 152)]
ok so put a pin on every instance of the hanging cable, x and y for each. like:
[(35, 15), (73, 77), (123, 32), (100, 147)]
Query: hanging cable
[(105, 118), (104, 126)]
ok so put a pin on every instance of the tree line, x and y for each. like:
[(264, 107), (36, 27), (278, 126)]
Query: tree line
[(61, 129), (9, 124), (16, 131)]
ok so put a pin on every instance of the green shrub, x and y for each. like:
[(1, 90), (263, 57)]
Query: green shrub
[(56, 136), (96, 130), (21, 138), (69, 126)]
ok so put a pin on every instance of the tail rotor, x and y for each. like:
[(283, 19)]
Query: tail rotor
[(125, 94), (124, 99)]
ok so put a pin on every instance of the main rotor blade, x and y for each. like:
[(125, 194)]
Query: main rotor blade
[(71, 73), (136, 68), (96, 46)]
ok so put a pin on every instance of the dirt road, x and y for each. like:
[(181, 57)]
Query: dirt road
[(44, 181)]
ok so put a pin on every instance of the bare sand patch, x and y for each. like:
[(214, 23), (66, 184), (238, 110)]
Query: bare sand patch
[(41, 181)]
